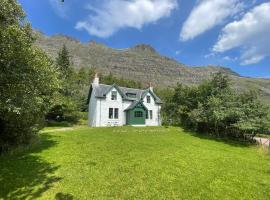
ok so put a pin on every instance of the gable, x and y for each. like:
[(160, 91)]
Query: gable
[(153, 96), (115, 88), (136, 104)]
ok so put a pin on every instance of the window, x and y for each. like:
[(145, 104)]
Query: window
[(138, 114), (148, 99), (114, 95), (146, 113), (151, 114), (131, 95), (113, 113), (110, 113), (116, 111)]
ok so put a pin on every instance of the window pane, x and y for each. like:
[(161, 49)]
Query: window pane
[(138, 114), (146, 113), (116, 113), (148, 99), (151, 114), (131, 95), (110, 113), (114, 95)]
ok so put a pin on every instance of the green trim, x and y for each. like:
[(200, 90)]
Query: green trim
[(153, 95), (139, 117), (134, 104), (117, 88)]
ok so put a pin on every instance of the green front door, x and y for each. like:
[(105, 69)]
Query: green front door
[(136, 116)]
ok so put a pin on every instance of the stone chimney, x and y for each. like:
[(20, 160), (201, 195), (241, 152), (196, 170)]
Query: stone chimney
[(96, 80), (151, 87)]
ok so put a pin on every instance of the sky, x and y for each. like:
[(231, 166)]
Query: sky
[(229, 33)]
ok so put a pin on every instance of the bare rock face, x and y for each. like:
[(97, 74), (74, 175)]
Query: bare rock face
[(144, 48), (143, 63)]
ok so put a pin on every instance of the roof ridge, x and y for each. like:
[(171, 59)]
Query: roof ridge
[(132, 88), (124, 87)]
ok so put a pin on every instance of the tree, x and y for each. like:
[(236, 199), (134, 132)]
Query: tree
[(64, 63), (65, 107), (214, 107), (28, 79)]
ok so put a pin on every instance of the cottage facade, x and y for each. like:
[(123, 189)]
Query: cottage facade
[(111, 105)]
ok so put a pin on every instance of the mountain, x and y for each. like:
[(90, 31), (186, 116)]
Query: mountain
[(143, 63)]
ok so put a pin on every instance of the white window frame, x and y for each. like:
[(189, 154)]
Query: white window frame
[(113, 113)]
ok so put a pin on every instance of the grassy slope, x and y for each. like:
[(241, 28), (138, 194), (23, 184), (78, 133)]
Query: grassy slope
[(135, 163)]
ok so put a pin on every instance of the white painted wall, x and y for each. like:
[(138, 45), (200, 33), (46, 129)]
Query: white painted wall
[(92, 113), (156, 119), (109, 103), (99, 110)]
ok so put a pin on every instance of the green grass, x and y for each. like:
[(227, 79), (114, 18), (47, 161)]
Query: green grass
[(134, 163)]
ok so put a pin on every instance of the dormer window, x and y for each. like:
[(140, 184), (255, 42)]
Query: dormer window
[(148, 98), (131, 95), (114, 95)]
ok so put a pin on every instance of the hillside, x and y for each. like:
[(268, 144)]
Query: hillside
[(143, 63)]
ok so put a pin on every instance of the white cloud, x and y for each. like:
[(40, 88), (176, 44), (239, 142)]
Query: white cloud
[(206, 15), (113, 15), (228, 58), (251, 33)]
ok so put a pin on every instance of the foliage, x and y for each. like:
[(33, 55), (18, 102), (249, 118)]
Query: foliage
[(110, 79), (135, 163), (64, 63), (65, 108), (215, 108), (28, 79), (75, 87)]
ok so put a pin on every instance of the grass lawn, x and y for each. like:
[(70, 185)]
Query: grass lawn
[(134, 163)]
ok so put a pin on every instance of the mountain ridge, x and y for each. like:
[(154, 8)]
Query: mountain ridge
[(143, 63)]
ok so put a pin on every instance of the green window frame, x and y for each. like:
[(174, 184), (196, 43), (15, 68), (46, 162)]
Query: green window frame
[(138, 114)]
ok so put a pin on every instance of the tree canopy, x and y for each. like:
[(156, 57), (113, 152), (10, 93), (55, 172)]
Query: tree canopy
[(28, 79), (214, 107)]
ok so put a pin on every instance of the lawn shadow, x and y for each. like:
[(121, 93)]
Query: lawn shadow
[(204, 136), (63, 196), (26, 175)]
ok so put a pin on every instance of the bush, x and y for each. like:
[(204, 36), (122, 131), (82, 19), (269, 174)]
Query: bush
[(215, 108), (63, 113), (58, 124)]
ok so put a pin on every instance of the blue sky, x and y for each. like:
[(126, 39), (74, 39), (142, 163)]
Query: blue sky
[(230, 33)]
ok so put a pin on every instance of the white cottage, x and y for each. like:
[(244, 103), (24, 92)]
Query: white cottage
[(110, 105)]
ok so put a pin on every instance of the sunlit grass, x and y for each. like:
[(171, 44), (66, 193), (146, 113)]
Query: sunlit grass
[(135, 163)]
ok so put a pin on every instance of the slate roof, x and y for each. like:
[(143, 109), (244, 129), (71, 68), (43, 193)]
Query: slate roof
[(103, 89)]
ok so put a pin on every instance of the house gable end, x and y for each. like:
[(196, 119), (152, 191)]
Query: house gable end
[(114, 86), (154, 96)]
